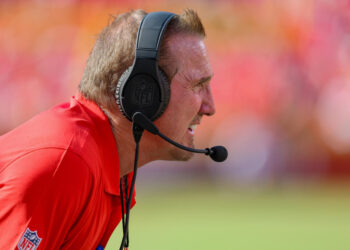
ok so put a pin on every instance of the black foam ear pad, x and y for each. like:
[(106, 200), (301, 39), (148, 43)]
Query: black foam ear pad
[(122, 80), (165, 85), (142, 93)]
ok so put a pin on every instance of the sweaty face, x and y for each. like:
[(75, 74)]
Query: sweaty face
[(191, 96)]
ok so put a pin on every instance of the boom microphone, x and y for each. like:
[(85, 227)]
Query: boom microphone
[(217, 153)]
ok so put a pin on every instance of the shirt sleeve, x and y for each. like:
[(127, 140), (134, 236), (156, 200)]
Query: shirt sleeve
[(42, 194)]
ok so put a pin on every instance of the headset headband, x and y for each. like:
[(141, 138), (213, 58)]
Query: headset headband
[(150, 34)]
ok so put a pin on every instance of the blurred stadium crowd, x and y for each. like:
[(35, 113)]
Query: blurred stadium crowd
[(281, 83)]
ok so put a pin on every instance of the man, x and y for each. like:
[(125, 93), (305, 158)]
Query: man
[(60, 171)]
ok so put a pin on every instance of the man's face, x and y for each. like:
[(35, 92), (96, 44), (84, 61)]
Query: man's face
[(191, 96)]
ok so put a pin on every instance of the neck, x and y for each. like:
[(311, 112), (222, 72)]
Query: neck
[(122, 131)]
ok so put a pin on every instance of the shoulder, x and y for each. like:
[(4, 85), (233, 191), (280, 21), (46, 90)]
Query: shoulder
[(55, 132), (38, 168)]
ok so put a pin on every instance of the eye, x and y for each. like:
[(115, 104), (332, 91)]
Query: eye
[(202, 84), (199, 84)]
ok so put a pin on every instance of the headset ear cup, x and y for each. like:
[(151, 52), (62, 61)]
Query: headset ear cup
[(118, 91), (124, 103), (164, 84)]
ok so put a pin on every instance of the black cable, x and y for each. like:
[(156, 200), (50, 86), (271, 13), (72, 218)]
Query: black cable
[(128, 204), (122, 203), (124, 187), (126, 195), (137, 132)]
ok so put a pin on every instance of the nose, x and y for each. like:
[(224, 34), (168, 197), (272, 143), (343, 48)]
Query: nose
[(208, 106)]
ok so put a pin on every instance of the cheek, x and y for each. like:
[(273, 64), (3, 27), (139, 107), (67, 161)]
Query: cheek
[(185, 104), (183, 107)]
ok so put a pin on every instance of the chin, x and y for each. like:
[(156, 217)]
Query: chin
[(177, 154), (180, 155)]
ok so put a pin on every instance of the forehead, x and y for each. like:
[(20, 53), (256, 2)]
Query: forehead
[(190, 55)]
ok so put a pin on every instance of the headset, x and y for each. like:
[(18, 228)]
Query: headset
[(144, 87), (142, 95)]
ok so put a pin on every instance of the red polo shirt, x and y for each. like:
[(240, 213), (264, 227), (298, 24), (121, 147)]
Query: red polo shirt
[(59, 180)]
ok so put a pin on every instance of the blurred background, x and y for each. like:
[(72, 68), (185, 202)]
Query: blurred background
[(282, 92)]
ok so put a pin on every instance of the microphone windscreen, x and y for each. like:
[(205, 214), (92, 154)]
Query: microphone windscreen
[(218, 153)]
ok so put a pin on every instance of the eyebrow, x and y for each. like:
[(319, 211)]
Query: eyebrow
[(204, 79)]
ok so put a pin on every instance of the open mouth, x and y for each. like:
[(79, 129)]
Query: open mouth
[(191, 129)]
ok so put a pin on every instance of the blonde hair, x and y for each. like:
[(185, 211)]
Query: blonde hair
[(114, 52)]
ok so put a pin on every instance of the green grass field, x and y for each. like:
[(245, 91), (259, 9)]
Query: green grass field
[(202, 218)]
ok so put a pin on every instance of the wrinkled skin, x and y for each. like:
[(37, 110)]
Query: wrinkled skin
[(191, 97)]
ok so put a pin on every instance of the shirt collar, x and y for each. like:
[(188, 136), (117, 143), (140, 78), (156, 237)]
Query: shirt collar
[(106, 143)]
